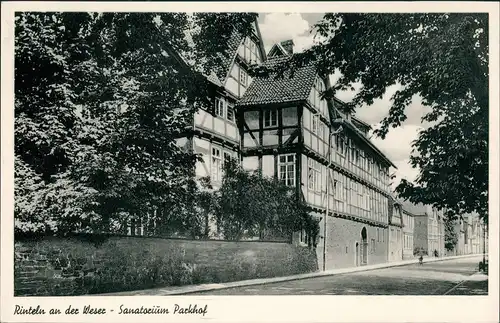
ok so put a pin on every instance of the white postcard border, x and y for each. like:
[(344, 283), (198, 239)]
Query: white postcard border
[(253, 308)]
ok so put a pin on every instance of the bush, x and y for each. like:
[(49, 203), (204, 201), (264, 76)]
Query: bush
[(75, 267), (249, 204), (420, 251), (483, 266)]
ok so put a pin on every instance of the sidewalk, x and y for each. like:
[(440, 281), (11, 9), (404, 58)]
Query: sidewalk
[(171, 290), (476, 284)]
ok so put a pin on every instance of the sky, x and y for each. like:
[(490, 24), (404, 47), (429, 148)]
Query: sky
[(276, 27)]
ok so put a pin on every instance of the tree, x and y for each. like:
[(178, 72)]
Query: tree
[(100, 100), (450, 234), (441, 58), (249, 204)]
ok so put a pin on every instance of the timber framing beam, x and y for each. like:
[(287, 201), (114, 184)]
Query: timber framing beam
[(310, 153), (351, 217)]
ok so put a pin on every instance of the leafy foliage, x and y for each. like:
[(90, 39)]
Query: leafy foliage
[(439, 57), (450, 235), (100, 100), (249, 204)]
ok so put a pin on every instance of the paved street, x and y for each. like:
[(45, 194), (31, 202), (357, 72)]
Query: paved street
[(452, 277)]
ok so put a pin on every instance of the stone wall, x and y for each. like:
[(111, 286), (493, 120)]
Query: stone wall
[(89, 265), (342, 235)]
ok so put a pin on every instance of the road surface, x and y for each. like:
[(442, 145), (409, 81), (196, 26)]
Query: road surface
[(450, 277)]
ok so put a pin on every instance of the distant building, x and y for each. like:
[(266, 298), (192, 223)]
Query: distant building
[(472, 235), (408, 228), (429, 230), (395, 231)]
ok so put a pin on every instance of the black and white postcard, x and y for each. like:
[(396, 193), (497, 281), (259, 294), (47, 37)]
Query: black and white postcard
[(181, 162)]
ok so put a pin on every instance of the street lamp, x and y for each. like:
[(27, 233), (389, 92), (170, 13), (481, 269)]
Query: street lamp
[(339, 129)]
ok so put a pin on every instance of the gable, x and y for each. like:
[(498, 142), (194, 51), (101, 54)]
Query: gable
[(250, 51), (277, 50), (219, 75), (315, 100)]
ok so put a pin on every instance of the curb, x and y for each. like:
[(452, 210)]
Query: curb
[(261, 281)]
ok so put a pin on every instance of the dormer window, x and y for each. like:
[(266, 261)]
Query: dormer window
[(243, 77), (270, 118)]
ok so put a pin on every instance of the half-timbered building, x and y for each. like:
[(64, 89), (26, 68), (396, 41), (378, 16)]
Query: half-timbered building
[(288, 131), (395, 252), (408, 211), (282, 126), (215, 134)]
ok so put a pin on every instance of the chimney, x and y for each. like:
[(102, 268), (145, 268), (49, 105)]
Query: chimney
[(288, 46)]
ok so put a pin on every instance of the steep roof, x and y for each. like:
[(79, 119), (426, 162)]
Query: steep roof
[(277, 50), (280, 89), (294, 87), (232, 47), (189, 61), (414, 209), (368, 142), (219, 75), (360, 124)]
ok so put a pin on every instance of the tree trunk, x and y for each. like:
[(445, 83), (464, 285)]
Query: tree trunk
[(132, 226), (207, 228)]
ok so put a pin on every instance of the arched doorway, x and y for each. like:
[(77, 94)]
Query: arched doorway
[(364, 247), (356, 256)]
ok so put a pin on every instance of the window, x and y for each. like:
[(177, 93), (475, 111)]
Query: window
[(230, 113), (314, 175), (303, 236), (270, 118), (216, 165), (338, 144), (243, 77), (373, 246), (252, 51), (227, 157), (286, 169), (315, 123), (219, 107), (378, 234)]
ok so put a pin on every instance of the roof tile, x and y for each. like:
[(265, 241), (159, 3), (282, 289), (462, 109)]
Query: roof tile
[(219, 74), (280, 89)]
